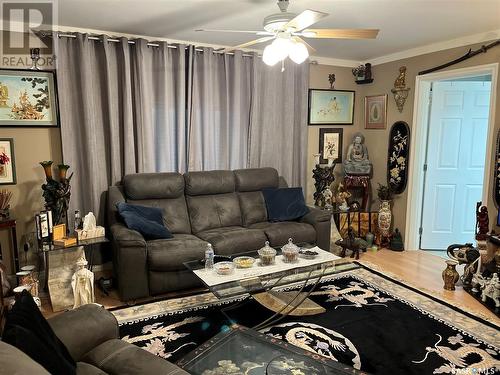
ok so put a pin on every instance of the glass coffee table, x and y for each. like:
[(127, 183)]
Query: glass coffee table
[(282, 287)]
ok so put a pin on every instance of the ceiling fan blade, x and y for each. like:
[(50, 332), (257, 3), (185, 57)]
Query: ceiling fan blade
[(305, 19), (258, 32), (300, 40), (340, 33), (251, 43)]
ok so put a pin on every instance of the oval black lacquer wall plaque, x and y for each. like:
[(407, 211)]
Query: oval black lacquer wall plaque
[(398, 156), (497, 172)]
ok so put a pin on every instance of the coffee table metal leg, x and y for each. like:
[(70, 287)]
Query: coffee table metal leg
[(288, 305)]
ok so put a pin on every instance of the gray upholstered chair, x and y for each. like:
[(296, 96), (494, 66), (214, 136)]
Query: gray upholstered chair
[(90, 333), (224, 208)]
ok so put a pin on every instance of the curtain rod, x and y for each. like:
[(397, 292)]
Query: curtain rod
[(149, 44)]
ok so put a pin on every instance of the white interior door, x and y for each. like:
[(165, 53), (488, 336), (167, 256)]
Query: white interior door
[(456, 156)]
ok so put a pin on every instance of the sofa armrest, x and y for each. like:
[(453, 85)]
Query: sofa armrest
[(130, 253), (126, 237), (321, 221), (315, 215), (84, 328)]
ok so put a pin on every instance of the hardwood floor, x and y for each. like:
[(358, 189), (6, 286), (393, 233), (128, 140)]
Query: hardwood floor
[(423, 270), (419, 268)]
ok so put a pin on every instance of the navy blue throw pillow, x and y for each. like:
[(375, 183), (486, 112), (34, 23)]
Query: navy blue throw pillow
[(148, 221), (285, 204)]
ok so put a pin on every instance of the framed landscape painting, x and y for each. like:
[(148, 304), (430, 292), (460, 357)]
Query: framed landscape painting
[(331, 107), (330, 145), (28, 98), (376, 112), (7, 162)]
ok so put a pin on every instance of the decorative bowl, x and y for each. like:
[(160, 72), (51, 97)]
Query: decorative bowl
[(224, 268), (244, 262), (308, 254)]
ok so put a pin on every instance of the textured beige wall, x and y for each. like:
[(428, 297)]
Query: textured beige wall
[(377, 140), (31, 145)]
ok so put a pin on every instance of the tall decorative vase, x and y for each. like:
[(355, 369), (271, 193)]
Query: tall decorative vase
[(450, 275), (384, 218)]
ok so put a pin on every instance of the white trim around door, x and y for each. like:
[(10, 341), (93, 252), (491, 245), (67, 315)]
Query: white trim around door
[(418, 142)]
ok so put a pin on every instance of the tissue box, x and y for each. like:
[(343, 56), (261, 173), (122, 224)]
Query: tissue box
[(83, 234)]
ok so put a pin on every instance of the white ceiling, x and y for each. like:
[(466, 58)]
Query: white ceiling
[(403, 24)]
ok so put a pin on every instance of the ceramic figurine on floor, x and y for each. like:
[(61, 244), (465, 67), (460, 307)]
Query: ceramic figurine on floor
[(482, 222), (357, 161), (491, 290), (396, 243), (465, 254), (83, 284)]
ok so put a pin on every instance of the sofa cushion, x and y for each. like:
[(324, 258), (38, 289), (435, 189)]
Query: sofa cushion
[(119, 357), (232, 240), (209, 182), (175, 214), (253, 207), (285, 204), (28, 330), (214, 211), (15, 362), (83, 368), (279, 233), (161, 282), (153, 185), (148, 221), (255, 179), (170, 254)]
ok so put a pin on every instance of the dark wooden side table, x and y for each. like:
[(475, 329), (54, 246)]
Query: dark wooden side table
[(362, 183), (11, 225)]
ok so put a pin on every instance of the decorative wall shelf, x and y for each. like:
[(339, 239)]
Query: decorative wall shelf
[(364, 81)]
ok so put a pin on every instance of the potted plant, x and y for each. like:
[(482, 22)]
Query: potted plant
[(385, 195)]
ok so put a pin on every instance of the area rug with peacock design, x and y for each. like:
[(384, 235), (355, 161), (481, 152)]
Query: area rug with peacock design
[(372, 322)]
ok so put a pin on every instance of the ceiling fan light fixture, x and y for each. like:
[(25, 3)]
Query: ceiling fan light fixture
[(281, 47), (270, 57), (298, 52)]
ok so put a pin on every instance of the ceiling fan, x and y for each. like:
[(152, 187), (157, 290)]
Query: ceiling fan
[(287, 30)]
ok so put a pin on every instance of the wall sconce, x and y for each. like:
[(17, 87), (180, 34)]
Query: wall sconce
[(400, 91), (35, 56)]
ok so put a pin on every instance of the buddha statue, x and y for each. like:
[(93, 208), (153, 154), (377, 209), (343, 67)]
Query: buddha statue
[(357, 161)]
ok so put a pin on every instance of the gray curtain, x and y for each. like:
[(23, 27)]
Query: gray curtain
[(220, 110), (128, 108), (123, 110), (278, 123)]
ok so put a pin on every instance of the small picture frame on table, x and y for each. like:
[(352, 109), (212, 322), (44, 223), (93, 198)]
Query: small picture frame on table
[(376, 111), (330, 145), (7, 162), (331, 107)]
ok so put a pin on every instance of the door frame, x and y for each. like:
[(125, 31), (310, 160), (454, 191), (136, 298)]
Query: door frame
[(418, 142)]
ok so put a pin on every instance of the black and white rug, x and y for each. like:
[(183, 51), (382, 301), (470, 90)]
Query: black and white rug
[(372, 322)]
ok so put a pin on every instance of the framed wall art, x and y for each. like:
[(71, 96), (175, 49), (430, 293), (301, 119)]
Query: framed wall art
[(331, 107), (398, 156), (376, 112), (28, 98), (7, 162), (330, 145)]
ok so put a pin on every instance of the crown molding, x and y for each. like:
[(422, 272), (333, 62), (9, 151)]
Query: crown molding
[(417, 51), (435, 47)]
